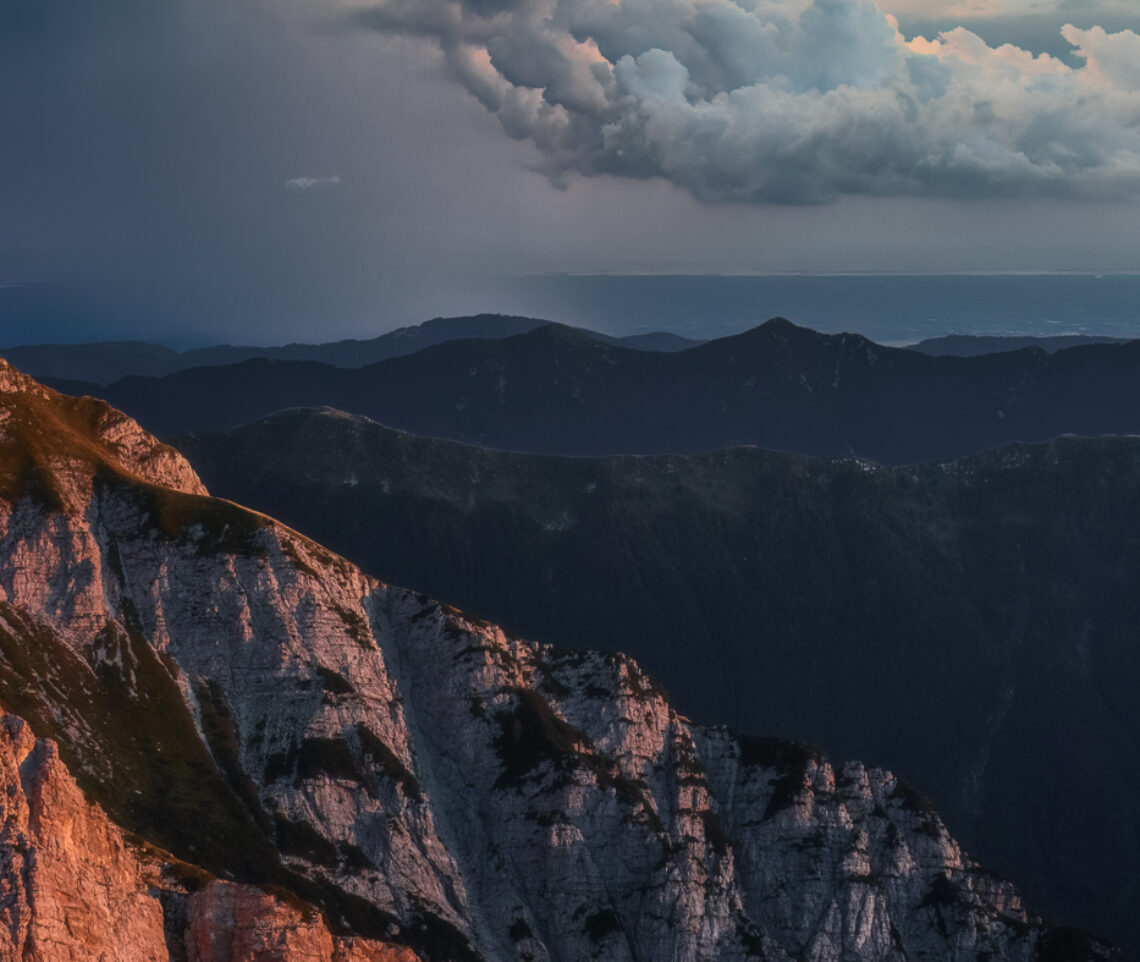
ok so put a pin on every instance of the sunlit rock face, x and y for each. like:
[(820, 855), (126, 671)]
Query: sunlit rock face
[(71, 886), (227, 922), (330, 765), (74, 887)]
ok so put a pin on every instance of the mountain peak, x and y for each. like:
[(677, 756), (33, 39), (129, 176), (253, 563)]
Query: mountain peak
[(13, 381), (63, 440), (779, 323), (776, 328), (783, 331)]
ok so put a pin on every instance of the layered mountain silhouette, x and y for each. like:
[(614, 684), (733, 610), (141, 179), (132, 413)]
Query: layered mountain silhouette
[(968, 345), (554, 390), (221, 741), (971, 622), (107, 361)]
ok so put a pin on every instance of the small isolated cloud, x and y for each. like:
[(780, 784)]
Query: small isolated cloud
[(311, 183), (791, 101)]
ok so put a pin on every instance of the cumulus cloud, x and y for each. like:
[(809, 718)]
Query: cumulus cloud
[(311, 183), (790, 101)]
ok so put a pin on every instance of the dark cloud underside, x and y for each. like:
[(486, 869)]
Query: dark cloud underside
[(790, 101)]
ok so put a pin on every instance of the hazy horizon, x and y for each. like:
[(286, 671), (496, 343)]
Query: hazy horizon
[(889, 307)]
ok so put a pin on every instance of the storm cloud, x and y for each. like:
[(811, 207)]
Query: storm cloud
[(790, 101)]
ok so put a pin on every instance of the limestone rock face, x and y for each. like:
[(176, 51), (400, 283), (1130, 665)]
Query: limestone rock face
[(355, 764), (76, 435), (74, 889), (70, 888), (239, 923)]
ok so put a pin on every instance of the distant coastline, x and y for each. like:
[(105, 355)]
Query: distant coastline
[(892, 308)]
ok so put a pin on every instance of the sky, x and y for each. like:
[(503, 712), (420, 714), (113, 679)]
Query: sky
[(272, 170)]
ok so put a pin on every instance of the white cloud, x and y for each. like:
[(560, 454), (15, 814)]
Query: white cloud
[(1113, 60), (795, 101), (311, 183)]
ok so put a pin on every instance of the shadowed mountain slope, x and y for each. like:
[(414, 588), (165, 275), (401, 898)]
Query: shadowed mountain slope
[(554, 390), (245, 710), (970, 622)]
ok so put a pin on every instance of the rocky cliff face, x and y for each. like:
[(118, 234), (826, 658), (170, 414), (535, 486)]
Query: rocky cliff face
[(74, 888), (71, 887), (338, 760), (989, 601)]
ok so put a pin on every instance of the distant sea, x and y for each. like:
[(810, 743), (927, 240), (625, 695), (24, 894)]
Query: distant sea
[(888, 308)]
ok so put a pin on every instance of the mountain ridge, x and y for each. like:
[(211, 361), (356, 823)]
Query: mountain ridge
[(425, 778), (827, 600), (107, 361), (965, 345), (781, 387)]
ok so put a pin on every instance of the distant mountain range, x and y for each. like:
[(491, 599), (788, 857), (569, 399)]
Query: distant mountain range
[(969, 345), (971, 622), (104, 362), (783, 387), (107, 361)]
